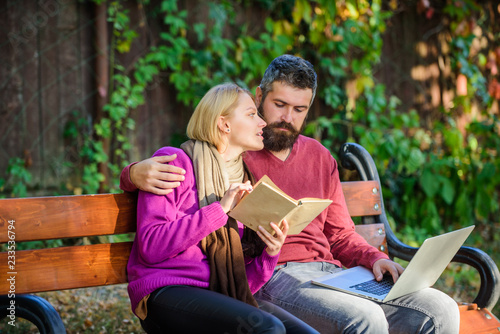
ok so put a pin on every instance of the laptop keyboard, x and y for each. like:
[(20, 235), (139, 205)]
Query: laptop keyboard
[(375, 287)]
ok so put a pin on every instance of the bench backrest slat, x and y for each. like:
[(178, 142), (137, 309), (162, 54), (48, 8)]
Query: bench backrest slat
[(42, 218), (66, 267), (362, 198)]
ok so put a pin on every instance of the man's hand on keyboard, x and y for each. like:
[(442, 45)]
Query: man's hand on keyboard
[(384, 266)]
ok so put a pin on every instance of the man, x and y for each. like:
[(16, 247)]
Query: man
[(302, 167)]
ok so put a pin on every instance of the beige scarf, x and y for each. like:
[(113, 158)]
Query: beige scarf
[(222, 247)]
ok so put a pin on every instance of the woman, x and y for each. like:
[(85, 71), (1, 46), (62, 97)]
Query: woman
[(187, 270)]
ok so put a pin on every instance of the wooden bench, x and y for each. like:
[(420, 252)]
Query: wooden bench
[(51, 269)]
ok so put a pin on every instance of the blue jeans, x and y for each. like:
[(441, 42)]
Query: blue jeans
[(330, 311)]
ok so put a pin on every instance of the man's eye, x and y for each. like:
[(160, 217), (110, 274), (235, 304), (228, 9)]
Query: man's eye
[(279, 105)]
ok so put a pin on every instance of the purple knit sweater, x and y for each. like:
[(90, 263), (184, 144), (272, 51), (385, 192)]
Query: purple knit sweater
[(166, 249)]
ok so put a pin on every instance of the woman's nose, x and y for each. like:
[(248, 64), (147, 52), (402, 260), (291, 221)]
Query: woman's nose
[(262, 123)]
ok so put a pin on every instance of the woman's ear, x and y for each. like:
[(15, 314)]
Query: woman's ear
[(222, 124)]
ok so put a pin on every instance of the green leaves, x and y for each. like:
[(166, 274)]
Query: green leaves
[(18, 176), (435, 173), (434, 184), (176, 22), (454, 140), (302, 11), (121, 27)]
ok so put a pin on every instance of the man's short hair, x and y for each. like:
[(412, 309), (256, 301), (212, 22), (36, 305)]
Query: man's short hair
[(292, 71)]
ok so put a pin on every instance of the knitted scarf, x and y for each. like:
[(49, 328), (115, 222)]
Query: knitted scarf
[(222, 247)]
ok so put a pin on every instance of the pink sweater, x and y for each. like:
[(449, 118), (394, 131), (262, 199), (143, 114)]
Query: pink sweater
[(166, 248)]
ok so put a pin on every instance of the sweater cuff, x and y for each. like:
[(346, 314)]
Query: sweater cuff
[(379, 256), (269, 262), (215, 216), (126, 183)]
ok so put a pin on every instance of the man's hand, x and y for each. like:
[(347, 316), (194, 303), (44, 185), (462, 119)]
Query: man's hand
[(155, 176), (384, 266)]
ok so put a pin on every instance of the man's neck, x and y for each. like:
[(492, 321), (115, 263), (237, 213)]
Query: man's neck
[(282, 155)]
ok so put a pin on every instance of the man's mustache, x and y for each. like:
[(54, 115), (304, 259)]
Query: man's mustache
[(282, 125)]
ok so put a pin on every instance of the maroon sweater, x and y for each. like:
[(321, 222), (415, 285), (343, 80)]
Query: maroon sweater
[(311, 171)]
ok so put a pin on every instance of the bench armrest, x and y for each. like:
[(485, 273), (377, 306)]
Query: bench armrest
[(36, 310), (355, 157)]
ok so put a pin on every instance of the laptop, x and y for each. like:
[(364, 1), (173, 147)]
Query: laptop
[(422, 271)]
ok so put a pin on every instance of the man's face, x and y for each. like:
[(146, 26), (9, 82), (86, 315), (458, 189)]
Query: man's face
[(284, 109)]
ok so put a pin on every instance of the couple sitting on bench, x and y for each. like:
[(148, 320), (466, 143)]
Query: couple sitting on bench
[(193, 269)]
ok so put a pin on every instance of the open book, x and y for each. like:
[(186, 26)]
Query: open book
[(267, 203)]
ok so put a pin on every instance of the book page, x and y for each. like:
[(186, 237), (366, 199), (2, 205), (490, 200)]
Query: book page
[(308, 209), (262, 206), (265, 179)]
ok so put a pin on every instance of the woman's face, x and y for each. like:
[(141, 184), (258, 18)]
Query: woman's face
[(245, 127)]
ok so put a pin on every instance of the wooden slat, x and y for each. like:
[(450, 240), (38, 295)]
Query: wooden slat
[(66, 267), (362, 198), (374, 234), (58, 217)]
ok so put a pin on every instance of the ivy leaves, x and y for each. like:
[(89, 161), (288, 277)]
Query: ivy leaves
[(436, 175)]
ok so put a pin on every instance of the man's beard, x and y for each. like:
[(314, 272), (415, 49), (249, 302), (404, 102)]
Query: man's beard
[(277, 140)]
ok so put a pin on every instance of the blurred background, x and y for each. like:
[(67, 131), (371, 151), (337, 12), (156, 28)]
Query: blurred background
[(87, 87)]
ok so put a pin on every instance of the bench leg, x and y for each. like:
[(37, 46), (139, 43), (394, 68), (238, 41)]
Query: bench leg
[(36, 310)]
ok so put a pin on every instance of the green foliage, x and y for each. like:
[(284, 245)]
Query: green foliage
[(126, 95), (18, 178), (435, 177)]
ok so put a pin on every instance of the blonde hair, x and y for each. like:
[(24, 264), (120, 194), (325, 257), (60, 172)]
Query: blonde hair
[(219, 101)]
